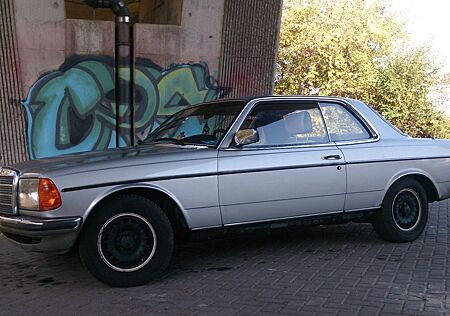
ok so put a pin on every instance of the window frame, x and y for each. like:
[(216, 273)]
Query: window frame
[(227, 142), (282, 146), (372, 134)]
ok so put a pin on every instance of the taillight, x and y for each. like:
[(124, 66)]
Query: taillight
[(49, 197)]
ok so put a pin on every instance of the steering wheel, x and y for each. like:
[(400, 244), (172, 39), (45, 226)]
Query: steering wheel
[(219, 130)]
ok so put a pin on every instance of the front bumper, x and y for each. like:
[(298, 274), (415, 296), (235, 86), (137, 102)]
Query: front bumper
[(42, 235)]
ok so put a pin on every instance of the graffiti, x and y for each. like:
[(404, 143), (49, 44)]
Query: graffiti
[(73, 108)]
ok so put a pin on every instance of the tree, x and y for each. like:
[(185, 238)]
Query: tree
[(358, 49)]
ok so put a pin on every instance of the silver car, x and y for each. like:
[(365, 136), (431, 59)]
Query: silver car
[(228, 163)]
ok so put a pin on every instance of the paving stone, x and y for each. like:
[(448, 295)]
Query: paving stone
[(325, 270)]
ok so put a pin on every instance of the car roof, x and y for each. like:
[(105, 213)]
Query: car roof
[(247, 99)]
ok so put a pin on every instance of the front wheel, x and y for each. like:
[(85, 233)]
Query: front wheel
[(404, 212), (127, 241)]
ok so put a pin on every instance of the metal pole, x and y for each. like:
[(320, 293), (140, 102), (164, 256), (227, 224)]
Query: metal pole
[(124, 82), (124, 66)]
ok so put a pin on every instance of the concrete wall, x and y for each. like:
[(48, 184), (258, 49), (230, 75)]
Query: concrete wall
[(222, 48), (12, 123), (40, 28), (45, 38), (198, 38)]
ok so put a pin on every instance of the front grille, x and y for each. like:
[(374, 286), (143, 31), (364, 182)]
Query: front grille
[(7, 189)]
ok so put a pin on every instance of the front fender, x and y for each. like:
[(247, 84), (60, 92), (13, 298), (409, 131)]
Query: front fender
[(113, 190)]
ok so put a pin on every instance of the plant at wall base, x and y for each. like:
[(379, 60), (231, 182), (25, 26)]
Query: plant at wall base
[(357, 49)]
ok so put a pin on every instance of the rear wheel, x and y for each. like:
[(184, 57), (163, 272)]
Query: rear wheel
[(404, 212), (127, 242)]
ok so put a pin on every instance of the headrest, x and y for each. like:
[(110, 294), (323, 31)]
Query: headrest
[(298, 122), (266, 118)]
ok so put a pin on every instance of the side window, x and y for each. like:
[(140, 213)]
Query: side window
[(281, 124), (342, 125)]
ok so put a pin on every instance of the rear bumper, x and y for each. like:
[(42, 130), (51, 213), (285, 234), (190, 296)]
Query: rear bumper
[(41, 235)]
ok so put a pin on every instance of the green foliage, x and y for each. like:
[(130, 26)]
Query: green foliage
[(357, 49)]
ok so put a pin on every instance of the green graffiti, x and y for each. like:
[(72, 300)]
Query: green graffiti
[(73, 108)]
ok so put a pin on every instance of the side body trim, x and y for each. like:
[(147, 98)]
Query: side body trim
[(134, 181)]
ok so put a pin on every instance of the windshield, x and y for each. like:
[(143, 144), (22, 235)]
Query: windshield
[(201, 125)]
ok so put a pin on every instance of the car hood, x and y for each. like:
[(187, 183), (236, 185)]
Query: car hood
[(112, 158)]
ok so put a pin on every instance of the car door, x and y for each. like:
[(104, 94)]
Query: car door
[(355, 138), (293, 169)]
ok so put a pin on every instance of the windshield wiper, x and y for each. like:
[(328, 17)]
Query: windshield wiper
[(169, 140)]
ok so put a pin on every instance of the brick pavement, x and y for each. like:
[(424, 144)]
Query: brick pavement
[(327, 270)]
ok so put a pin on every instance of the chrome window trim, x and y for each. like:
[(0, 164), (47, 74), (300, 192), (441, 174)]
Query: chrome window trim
[(247, 108), (324, 123), (356, 142), (268, 147), (363, 120), (252, 103)]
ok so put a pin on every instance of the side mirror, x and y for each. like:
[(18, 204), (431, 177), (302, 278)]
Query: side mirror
[(246, 137)]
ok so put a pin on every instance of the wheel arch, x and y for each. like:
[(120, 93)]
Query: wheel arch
[(420, 176), (164, 199)]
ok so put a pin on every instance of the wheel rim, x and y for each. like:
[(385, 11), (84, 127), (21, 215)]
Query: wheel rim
[(126, 242), (407, 209)]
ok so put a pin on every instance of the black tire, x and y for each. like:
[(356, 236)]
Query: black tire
[(128, 241), (404, 212)]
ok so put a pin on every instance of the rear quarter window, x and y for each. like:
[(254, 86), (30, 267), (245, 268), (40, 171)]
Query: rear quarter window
[(342, 124)]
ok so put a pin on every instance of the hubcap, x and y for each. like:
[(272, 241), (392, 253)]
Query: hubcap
[(407, 209), (126, 242)]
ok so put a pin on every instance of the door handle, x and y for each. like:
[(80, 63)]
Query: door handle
[(332, 157)]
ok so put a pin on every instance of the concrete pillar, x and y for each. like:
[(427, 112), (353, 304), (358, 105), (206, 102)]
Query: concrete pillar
[(249, 46), (12, 129)]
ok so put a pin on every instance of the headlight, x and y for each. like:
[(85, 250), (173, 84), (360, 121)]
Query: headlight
[(38, 195), (28, 194)]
